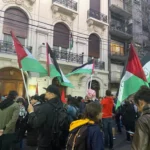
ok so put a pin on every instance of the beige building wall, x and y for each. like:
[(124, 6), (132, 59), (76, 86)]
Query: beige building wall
[(47, 14)]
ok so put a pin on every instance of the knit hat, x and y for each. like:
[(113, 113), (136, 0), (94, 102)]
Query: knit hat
[(53, 89)]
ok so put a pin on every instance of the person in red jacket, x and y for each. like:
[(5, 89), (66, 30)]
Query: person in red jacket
[(107, 109)]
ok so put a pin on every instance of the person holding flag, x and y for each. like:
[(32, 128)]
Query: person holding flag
[(26, 61)]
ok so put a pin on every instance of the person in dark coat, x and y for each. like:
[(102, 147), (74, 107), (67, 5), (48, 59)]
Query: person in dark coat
[(128, 118), (45, 117), (94, 136), (32, 134)]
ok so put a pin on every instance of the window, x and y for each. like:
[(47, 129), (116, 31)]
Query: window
[(94, 46), (8, 38), (117, 48), (17, 21), (137, 1), (61, 36)]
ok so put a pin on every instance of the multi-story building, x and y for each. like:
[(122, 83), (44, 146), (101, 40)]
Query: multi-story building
[(129, 21), (120, 35), (141, 30), (36, 22)]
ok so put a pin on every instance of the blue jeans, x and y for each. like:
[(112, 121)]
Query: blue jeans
[(107, 129)]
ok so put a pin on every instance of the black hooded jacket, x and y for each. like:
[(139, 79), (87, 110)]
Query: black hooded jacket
[(43, 120)]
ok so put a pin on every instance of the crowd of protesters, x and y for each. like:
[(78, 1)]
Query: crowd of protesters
[(81, 123)]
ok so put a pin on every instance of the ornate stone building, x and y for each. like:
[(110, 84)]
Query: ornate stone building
[(36, 22)]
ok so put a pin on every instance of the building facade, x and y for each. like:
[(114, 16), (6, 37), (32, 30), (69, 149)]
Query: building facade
[(55, 21), (120, 36), (141, 30), (129, 22)]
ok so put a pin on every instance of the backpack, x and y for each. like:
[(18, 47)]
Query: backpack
[(60, 127), (77, 139)]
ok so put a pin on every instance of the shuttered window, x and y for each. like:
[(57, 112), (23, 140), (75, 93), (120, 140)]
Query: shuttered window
[(95, 5), (94, 46), (17, 21), (61, 36), (8, 38)]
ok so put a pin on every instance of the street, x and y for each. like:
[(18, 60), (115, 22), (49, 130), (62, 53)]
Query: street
[(120, 143)]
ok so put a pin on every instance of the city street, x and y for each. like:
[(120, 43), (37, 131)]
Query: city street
[(120, 143)]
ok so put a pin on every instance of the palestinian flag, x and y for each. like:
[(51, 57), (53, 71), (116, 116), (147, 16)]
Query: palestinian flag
[(54, 69), (146, 66), (52, 66), (63, 96), (133, 77), (25, 59), (87, 68), (71, 41)]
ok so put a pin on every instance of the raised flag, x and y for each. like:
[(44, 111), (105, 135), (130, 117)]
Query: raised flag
[(146, 66), (71, 41), (63, 97), (25, 59), (133, 77), (52, 66), (87, 68), (55, 70)]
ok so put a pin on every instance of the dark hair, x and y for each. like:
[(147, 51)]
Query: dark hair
[(108, 93), (21, 100), (12, 94), (92, 110), (79, 98), (72, 101), (142, 94), (36, 97), (42, 97)]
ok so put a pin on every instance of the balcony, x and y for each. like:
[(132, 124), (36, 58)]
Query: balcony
[(96, 18), (121, 8), (68, 7), (120, 30), (117, 56), (7, 48), (67, 56), (100, 65)]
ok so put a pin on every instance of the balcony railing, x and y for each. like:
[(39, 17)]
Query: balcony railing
[(7, 47), (64, 55), (119, 26), (68, 56), (97, 15), (124, 5), (67, 3), (117, 53), (98, 64)]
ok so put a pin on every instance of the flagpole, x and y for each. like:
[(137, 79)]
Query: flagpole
[(92, 72), (25, 86), (91, 81)]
